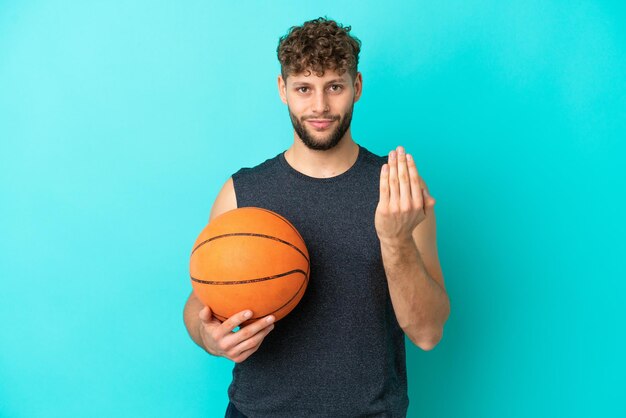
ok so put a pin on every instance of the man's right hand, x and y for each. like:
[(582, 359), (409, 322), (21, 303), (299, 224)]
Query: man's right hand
[(219, 339)]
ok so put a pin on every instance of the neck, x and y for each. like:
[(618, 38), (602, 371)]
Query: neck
[(323, 164)]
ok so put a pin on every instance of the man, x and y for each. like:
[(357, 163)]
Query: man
[(369, 226)]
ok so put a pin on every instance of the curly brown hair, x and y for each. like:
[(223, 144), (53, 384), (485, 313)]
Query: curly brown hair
[(318, 45)]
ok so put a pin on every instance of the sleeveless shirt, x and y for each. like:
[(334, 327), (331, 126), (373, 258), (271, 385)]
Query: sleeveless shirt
[(340, 352)]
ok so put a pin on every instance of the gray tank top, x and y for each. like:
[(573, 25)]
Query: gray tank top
[(340, 352)]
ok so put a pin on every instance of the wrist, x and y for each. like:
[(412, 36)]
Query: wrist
[(397, 241), (200, 336)]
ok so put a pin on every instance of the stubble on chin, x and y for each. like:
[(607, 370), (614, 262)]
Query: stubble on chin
[(326, 143)]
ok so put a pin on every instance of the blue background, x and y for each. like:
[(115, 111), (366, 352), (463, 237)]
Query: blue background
[(120, 121)]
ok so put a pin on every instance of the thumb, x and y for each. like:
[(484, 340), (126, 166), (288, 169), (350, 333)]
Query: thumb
[(205, 314), (429, 201)]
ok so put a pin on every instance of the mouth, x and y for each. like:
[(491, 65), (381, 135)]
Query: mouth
[(320, 123)]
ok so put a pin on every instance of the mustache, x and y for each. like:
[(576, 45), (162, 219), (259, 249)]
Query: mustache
[(330, 117)]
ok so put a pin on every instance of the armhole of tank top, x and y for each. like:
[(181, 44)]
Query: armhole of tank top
[(236, 176)]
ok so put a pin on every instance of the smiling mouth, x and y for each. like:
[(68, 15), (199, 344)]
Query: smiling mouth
[(320, 123)]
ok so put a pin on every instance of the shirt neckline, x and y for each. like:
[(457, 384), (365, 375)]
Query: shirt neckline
[(347, 173)]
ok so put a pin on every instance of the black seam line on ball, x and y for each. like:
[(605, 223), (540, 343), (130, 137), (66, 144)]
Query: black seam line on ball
[(284, 219), (300, 289), (260, 279), (250, 234)]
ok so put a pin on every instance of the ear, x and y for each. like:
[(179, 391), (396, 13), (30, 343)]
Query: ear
[(282, 89), (358, 86)]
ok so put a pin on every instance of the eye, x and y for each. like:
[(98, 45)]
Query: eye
[(336, 87), (299, 89)]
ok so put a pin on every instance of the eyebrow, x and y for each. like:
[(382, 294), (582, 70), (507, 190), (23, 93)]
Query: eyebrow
[(304, 83)]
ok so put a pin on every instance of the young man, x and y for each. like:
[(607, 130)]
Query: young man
[(369, 226)]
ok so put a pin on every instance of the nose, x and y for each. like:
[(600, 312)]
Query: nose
[(320, 103)]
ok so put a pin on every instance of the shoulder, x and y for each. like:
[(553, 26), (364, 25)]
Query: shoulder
[(247, 182), (226, 200), (261, 167), (371, 158)]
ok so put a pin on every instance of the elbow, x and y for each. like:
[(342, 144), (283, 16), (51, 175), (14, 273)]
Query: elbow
[(427, 342), (427, 337), (431, 343)]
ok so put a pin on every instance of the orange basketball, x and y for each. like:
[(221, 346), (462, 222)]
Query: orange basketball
[(249, 258)]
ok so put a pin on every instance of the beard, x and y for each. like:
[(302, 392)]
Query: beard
[(331, 140)]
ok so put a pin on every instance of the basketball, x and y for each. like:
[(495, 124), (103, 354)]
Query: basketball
[(249, 258)]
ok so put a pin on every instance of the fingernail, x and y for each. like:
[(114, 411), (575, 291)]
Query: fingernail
[(401, 151), (409, 158), (270, 319), (247, 314)]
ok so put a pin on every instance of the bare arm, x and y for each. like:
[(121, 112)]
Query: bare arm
[(417, 292), (212, 335), (192, 318)]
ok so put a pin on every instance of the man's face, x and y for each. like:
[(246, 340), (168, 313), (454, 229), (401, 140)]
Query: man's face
[(320, 108)]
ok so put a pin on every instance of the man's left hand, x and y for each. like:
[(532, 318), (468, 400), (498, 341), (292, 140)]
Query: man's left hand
[(403, 203)]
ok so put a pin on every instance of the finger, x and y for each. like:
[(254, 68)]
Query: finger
[(394, 191), (244, 355), (403, 180), (416, 192), (248, 331), (231, 323), (429, 201), (384, 185), (250, 344)]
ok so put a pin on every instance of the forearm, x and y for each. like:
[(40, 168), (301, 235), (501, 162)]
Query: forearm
[(420, 303), (192, 320)]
